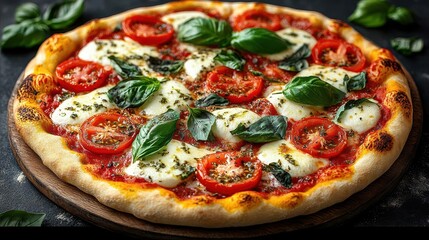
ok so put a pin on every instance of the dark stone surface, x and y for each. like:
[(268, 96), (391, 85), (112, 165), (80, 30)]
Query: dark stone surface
[(406, 206)]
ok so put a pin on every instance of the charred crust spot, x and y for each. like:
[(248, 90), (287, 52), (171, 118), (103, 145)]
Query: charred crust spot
[(27, 114), (400, 98), (202, 200), (391, 64), (381, 143), (294, 200), (247, 199), (26, 90)]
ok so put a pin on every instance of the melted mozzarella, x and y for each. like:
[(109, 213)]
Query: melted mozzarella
[(228, 119), (292, 160), (77, 109), (170, 166), (362, 117), (177, 18), (171, 95), (199, 62), (290, 109)]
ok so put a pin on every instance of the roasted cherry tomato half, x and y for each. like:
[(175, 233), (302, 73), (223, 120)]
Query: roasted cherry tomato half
[(229, 172), (77, 75), (319, 137), (257, 18), (147, 29), (338, 53), (107, 133), (236, 86)]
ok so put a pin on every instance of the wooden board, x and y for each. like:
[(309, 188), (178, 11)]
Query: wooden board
[(88, 208)]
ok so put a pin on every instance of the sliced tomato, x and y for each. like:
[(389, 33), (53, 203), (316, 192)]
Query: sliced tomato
[(77, 75), (257, 18), (319, 137), (236, 86), (107, 133), (338, 53), (262, 106), (229, 172), (147, 29)]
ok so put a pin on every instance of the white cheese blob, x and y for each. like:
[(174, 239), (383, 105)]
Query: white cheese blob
[(199, 62), (171, 95), (170, 166), (177, 18), (290, 109), (77, 109), (228, 119), (297, 37), (362, 117), (332, 75), (292, 160)]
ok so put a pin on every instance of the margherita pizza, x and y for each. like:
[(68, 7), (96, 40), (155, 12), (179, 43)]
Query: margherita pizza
[(215, 114)]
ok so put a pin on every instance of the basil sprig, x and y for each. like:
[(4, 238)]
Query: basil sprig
[(61, 15), (407, 46), (200, 124), (231, 59), (280, 174), (349, 105), (313, 91), (211, 100), (297, 61), (27, 11), (155, 134), (165, 66), (133, 92), (259, 41), (357, 82), (18, 218), (205, 32), (401, 15), (124, 69), (266, 129)]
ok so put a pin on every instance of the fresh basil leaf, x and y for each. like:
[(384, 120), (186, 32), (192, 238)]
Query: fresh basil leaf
[(27, 11), (280, 174), (133, 92), (349, 105), (231, 59), (407, 46), (259, 41), (26, 34), (200, 124), (61, 15), (370, 13), (357, 82), (155, 134), (205, 32), (210, 100), (401, 15), (18, 218), (266, 129), (313, 91), (124, 69), (297, 61), (165, 66)]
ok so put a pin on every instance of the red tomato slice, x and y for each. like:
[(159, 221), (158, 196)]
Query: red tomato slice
[(107, 133), (319, 137), (257, 18), (77, 75), (229, 172), (147, 29), (236, 86), (263, 107), (338, 53)]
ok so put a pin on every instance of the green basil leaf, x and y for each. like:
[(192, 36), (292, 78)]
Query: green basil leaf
[(259, 41), (357, 82), (26, 34), (165, 66), (313, 91), (370, 13), (266, 129), (61, 15), (210, 100), (401, 15), (205, 32), (349, 105), (124, 69), (133, 92), (280, 174), (18, 218), (200, 124), (155, 134), (231, 59), (27, 11), (407, 46), (297, 61)]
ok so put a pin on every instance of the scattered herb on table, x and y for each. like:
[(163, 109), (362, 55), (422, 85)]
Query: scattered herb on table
[(18, 218), (407, 46)]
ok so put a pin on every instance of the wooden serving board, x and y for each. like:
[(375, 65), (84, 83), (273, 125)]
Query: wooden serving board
[(89, 209)]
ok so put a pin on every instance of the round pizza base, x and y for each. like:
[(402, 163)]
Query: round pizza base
[(89, 209)]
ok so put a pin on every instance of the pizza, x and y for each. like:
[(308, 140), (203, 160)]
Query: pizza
[(215, 114)]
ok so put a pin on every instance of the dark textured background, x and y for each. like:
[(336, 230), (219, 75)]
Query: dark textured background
[(406, 206)]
